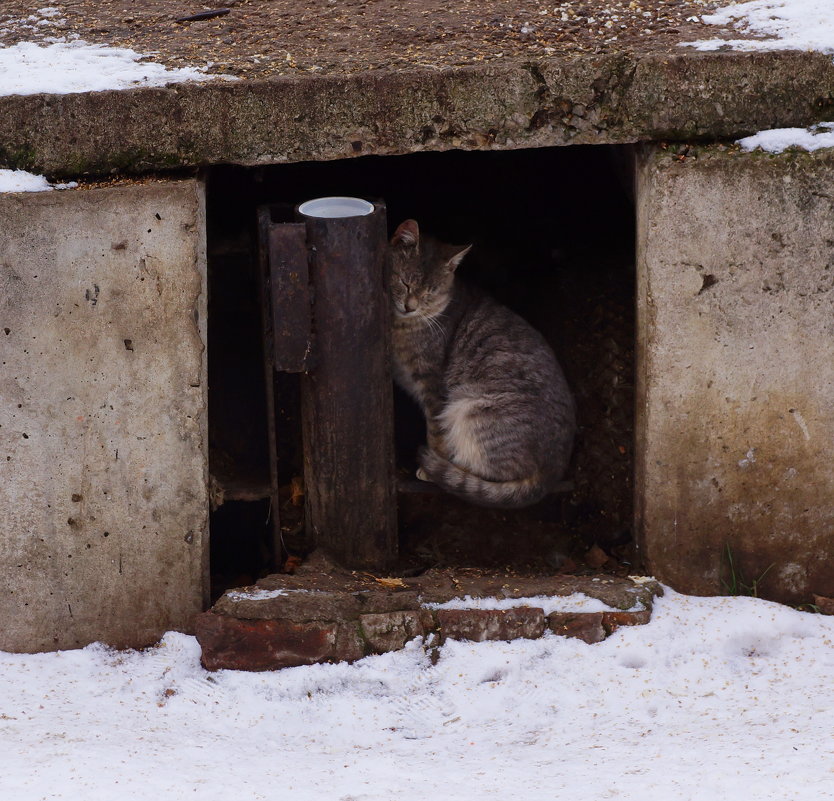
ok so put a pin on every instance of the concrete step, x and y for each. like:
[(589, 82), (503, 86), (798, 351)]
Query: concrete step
[(323, 614)]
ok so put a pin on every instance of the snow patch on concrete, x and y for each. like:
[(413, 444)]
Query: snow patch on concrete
[(22, 181), (576, 602), (28, 68), (777, 140), (67, 64), (779, 24), (255, 595)]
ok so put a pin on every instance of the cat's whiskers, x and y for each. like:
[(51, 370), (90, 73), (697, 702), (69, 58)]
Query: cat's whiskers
[(433, 325)]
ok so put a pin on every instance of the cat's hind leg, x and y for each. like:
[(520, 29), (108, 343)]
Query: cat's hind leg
[(460, 423)]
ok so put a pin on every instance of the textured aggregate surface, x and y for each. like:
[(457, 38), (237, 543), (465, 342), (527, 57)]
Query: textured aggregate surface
[(259, 38)]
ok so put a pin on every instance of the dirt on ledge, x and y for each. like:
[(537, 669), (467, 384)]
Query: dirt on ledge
[(263, 38)]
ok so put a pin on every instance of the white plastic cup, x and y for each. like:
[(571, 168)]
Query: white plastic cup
[(333, 207)]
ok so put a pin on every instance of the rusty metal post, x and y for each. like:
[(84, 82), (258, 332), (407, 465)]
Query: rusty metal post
[(347, 402)]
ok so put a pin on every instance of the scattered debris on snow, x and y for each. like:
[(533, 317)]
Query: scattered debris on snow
[(716, 698), (779, 24), (778, 140), (22, 181)]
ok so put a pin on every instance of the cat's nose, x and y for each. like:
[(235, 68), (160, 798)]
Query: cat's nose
[(410, 303)]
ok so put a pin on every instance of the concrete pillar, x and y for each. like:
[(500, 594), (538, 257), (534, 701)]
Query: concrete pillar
[(735, 403), (103, 451)]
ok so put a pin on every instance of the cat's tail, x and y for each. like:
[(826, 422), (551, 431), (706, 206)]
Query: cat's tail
[(477, 490)]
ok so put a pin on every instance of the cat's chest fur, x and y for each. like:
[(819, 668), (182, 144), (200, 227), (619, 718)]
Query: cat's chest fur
[(420, 353)]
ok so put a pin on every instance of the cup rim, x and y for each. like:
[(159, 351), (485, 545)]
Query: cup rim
[(361, 207)]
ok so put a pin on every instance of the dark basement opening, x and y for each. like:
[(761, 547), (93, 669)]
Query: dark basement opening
[(553, 234)]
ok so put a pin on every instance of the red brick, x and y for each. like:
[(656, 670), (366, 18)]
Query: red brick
[(478, 625), (230, 643), (825, 605), (390, 631), (585, 626), (611, 621)]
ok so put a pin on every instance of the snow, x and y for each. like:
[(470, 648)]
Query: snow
[(257, 594), (783, 24), (55, 65), (717, 698), (28, 68), (22, 181), (778, 140), (576, 602)]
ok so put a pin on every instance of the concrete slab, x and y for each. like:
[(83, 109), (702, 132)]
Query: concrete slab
[(282, 37), (735, 404), (103, 454), (610, 99), (337, 80)]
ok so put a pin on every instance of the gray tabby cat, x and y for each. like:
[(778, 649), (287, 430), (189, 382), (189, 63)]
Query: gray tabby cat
[(499, 415)]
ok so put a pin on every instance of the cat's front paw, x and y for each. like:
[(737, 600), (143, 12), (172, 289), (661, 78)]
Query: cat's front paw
[(422, 475)]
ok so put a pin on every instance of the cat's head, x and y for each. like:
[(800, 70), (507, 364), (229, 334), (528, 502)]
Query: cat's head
[(422, 271)]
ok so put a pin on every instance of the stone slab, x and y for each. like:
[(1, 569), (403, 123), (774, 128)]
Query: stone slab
[(735, 378), (613, 98), (103, 456)]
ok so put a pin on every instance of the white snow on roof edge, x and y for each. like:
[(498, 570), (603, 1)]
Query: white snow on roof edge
[(777, 140)]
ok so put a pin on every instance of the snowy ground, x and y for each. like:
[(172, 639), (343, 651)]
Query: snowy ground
[(716, 699)]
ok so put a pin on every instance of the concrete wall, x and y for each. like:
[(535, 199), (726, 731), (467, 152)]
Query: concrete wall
[(735, 404), (103, 454)]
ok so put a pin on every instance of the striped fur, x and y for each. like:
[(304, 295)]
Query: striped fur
[(499, 415), (471, 487)]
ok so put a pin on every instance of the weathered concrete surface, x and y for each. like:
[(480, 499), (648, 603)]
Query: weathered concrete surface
[(607, 99), (735, 404), (103, 457), (284, 37)]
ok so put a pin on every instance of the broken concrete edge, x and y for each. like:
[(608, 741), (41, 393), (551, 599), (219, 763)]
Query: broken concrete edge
[(339, 631), (612, 99)]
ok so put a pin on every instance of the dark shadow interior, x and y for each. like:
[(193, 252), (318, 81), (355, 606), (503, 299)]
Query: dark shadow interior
[(553, 234)]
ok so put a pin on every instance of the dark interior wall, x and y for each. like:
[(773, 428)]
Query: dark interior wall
[(553, 236)]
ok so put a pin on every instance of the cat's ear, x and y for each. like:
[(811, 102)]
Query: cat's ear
[(407, 234), (457, 257)]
